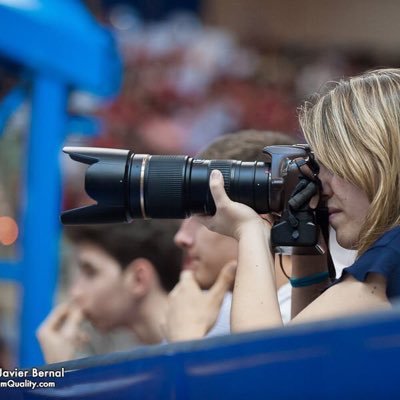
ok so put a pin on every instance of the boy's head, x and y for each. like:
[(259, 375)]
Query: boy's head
[(206, 252), (120, 267)]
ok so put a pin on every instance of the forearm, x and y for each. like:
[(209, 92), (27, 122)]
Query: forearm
[(303, 266), (254, 304)]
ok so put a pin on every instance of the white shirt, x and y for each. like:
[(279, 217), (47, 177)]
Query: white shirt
[(223, 325), (341, 257)]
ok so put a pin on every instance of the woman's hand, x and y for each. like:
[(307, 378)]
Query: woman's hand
[(231, 217)]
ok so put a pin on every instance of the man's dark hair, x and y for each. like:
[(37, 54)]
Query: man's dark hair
[(244, 145), (149, 239)]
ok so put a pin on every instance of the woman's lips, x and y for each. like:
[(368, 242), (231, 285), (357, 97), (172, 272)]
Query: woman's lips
[(333, 212)]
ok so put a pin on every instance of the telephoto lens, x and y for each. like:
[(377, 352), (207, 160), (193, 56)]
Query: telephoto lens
[(127, 185)]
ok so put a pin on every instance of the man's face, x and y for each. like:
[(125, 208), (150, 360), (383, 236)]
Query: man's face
[(205, 252), (100, 288)]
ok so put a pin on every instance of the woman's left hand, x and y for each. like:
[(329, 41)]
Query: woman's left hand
[(231, 217)]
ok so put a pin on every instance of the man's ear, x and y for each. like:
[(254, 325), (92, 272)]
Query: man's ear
[(140, 277)]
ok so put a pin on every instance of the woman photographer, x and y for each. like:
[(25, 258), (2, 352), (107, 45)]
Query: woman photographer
[(354, 131)]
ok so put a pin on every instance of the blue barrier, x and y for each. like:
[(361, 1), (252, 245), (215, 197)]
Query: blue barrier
[(62, 39), (59, 47), (353, 358)]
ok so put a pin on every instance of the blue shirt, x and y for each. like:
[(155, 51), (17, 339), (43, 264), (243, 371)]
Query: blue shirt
[(383, 258)]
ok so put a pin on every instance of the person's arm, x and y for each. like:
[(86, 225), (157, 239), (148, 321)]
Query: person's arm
[(347, 297), (254, 302), (307, 266)]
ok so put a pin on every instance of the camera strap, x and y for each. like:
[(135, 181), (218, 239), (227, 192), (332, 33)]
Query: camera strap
[(323, 222), (309, 186)]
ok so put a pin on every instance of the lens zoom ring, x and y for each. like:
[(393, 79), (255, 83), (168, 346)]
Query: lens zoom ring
[(164, 187), (226, 168)]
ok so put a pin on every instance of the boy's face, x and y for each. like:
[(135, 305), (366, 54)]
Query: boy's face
[(204, 252), (100, 288)]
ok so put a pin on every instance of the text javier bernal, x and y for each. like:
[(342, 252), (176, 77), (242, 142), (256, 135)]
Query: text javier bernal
[(34, 373)]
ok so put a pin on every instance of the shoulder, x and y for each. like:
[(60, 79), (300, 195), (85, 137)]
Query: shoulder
[(385, 251), (389, 239), (349, 296), (382, 258)]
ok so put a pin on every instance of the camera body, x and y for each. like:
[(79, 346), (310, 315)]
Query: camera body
[(128, 186)]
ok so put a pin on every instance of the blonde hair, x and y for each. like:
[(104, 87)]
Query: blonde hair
[(354, 130)]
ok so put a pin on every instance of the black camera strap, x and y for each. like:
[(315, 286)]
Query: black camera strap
[(323, 222), (308, 187)]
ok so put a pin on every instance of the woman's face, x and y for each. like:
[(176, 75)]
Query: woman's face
[(348, 206)]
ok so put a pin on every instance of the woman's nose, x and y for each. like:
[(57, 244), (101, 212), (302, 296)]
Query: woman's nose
[(325, 177)]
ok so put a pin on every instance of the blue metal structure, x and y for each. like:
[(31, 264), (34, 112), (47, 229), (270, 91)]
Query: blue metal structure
[(60, 47), (354, 358)]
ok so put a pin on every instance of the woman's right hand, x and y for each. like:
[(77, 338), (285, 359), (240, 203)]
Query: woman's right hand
[(231, 218)]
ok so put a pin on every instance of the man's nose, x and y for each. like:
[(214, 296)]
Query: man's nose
[(76, 291), (185, 236)]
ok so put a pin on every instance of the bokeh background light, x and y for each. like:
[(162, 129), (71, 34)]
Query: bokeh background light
[(8, 230)]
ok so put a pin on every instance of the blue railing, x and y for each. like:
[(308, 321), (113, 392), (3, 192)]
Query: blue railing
[(353, 358), (59, 47)]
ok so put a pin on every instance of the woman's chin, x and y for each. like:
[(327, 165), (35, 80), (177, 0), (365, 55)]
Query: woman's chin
[(345, 241)]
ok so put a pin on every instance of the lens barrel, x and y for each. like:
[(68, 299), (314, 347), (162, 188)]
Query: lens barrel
[(178, 186), (126, 186)]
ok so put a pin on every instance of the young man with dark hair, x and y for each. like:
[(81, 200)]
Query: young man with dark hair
[(124, 276), (200, 304)]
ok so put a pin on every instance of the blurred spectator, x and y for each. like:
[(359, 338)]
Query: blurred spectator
[(125, 273)]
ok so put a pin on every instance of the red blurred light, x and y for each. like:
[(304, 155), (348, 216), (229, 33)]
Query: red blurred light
[(8, 231)]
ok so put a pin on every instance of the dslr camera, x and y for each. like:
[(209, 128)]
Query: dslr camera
[(126, 186)]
